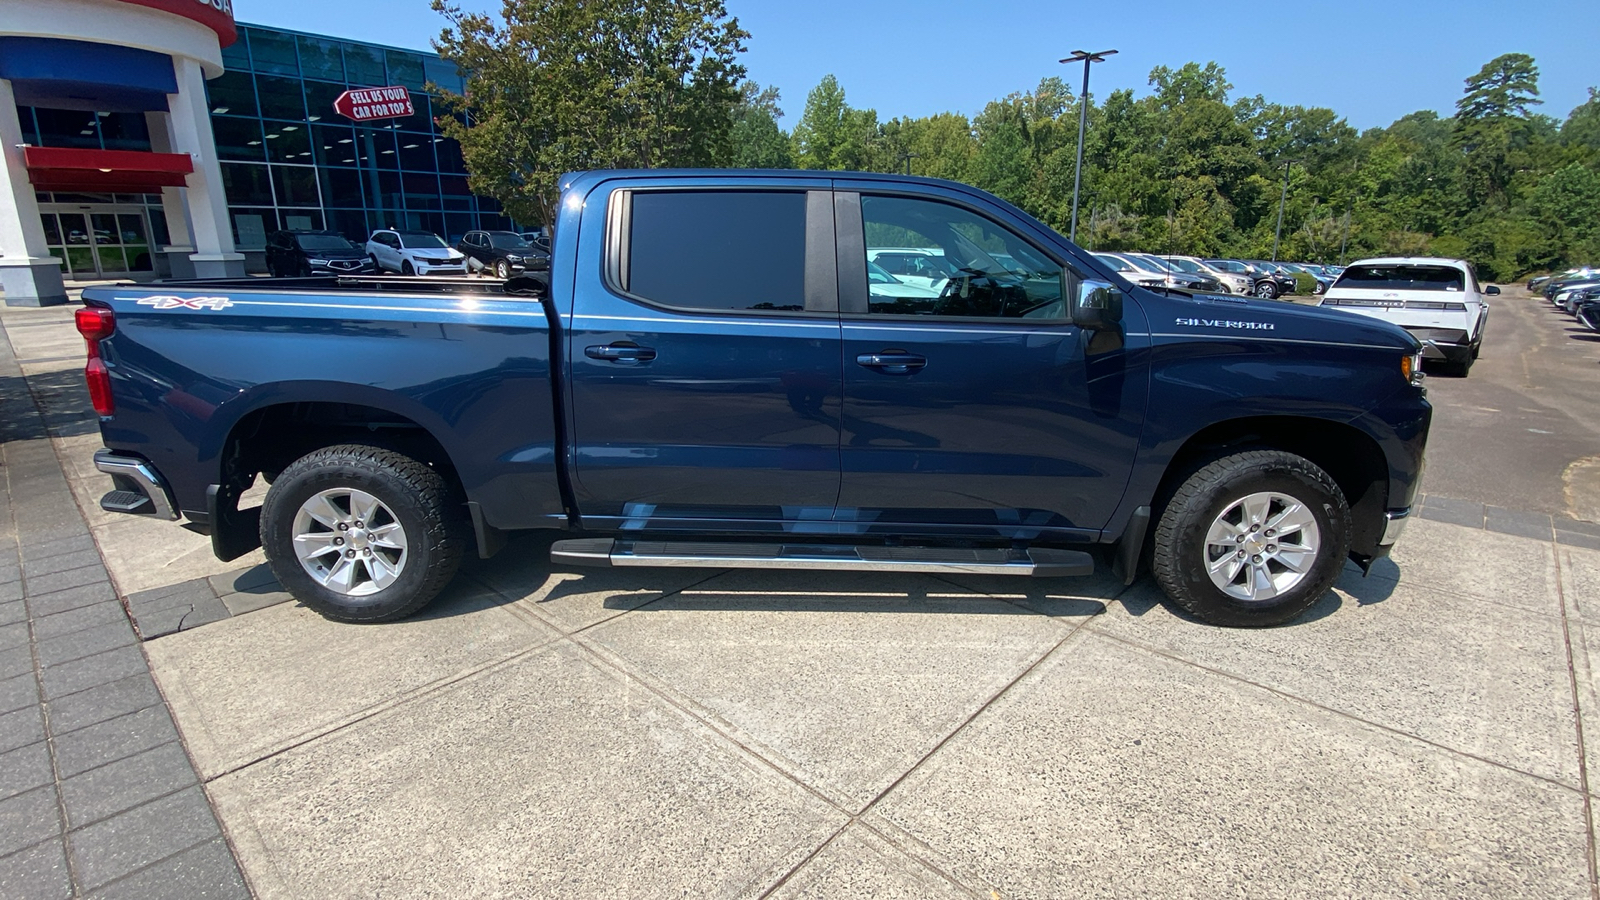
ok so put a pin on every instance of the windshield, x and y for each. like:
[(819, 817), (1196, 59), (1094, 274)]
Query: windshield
[(1117, 263), (1188, 265), (416, 239), (1402, 278), (323, 242), (505, 240)]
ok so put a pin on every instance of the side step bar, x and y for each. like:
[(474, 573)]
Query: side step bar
[(1040, 562)]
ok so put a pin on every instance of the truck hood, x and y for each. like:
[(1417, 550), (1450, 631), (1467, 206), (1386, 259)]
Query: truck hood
[(1269, 319)]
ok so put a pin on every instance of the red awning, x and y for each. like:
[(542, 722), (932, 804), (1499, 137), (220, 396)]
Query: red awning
[(100, 171)]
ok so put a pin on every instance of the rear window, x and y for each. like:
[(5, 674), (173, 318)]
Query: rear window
[(1402, 278), (718, 250)]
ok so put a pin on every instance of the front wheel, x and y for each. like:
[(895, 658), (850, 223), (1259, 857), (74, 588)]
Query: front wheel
[(1266, 290), (361, 534), (502, 270), (1252, 539), (406, 268)]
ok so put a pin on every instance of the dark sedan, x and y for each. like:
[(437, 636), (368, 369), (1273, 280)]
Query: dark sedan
[(293, 254), (504, 253)]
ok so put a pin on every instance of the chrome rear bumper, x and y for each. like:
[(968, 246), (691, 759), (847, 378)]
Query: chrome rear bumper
[(139, 488)]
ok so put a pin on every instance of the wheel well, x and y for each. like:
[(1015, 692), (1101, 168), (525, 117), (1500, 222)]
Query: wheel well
[(1351, 458), (269, 439)]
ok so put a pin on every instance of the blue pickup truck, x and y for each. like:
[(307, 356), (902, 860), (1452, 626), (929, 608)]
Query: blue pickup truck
[(714, 373)]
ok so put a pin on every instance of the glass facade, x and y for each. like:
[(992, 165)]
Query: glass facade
[(287, 159)]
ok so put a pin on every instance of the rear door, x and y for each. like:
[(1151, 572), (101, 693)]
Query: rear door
[(981, 410), (705, 383)]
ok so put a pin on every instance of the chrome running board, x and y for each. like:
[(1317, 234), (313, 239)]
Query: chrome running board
[(1039, 562)]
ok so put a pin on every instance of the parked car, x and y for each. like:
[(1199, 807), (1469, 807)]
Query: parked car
[(1175, 276), (919, 266), (881, 284), (1136, 274), (414, 253), (504, 253), (1282, 278), (1322, 279), (302, 253), (1262, 284), (1438, 300), (1589, 311), (539, 237), (678, 399), (1231, 282), (1537, 280)]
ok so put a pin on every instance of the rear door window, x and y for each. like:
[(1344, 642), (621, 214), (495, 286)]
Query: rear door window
[(717, 250)]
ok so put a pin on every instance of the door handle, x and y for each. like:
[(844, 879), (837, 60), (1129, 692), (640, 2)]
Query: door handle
[(622, 352), (892, 362)]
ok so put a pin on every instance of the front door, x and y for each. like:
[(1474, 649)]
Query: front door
[(705, 383), (98, 240), (972, 404)]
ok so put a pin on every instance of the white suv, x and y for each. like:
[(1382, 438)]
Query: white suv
[(414, 253), (1438, 300)]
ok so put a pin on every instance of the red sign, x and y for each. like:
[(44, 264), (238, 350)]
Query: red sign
[(216, 15), (366, 104)]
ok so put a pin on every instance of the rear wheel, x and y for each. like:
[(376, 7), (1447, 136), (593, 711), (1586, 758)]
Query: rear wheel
[(361, 534), (1252, 539)]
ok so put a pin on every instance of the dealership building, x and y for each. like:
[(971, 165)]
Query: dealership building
[(160, 138)]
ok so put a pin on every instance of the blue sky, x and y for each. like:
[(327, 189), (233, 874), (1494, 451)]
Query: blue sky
[(1371, 62)]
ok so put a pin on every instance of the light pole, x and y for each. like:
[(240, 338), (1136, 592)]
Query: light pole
[(1083, 120), (907, 158), (1276, 235)]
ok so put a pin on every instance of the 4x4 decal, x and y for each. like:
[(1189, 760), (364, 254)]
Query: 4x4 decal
[(211, 303)]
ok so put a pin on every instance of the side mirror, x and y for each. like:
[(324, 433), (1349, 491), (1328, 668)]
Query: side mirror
[(1097, 307), (1491, 290)]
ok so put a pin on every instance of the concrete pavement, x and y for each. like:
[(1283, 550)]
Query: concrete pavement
[(542, 732)]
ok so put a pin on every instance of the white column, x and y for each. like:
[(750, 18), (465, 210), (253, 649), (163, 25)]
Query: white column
[(174, 202), (208, 207), (29, 275)]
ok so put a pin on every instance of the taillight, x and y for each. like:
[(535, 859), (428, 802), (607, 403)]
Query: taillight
[(96, 324)]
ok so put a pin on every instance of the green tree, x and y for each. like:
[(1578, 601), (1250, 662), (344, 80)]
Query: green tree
[(1494, 126), (820, 134), (555, 86), (758, 142)]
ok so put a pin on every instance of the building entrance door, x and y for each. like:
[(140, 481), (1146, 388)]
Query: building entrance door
[(98, 240)]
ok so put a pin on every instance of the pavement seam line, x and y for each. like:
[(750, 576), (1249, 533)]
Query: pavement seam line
[(815, 852), (381, 708), (150, 865), (1390, 729), (1577, 721)]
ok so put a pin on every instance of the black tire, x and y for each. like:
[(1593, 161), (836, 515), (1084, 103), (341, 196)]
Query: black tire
[(1179, 554), (406, 269), (377, 267), (1458, 368), (1266, 290), (420, 500), (502, 270)]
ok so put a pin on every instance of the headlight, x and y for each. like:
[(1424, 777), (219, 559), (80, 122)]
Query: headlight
[(316, 262), (513, 258)]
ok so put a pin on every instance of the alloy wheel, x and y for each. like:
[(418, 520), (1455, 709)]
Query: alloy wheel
[(349, 541), (1261, 546)]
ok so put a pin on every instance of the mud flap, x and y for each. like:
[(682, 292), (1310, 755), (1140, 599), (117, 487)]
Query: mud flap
[(234, 532)]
